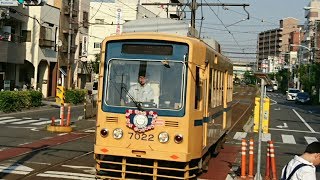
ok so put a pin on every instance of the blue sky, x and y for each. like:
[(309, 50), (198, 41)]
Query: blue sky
[(264, 15)]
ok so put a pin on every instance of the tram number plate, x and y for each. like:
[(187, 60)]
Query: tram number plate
[(141, 136)]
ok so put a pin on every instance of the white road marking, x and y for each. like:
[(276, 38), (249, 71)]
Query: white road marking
[(310, 139), (67, 175), (31, 162), (90, 131), (305, 123), (25, 122), (288, 139), (15, 169), (240, 135), (291, 130), (284, 126), (266, 137), (10, 120), (2, 118), (41, 123)]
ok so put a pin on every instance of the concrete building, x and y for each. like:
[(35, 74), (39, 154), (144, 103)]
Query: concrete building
[(275, 43), (27, 48), (109, 21), (312, 29)]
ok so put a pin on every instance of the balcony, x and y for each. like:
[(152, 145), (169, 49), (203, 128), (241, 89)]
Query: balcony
[(65, 49), (67, 11), (46, 43), (12, 52)]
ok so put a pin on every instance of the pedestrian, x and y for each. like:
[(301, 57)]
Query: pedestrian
[(303, 167)]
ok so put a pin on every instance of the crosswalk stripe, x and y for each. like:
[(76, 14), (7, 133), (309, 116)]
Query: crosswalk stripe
[(3, 118), (288, 139), (25, 122), (67, 175), (41, 123), (10, 120), (240, 135), (310, 139)]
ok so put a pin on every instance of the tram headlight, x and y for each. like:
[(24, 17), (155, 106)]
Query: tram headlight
[(178, 138), (117, 133), (104, 132), (163, 137)]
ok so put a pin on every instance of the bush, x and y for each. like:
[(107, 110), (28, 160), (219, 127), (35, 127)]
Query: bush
[(75, 96), (16, 100)]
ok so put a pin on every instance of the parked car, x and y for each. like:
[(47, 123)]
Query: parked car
[(275, 87), (269, 88), (292, 94), (303, 98)]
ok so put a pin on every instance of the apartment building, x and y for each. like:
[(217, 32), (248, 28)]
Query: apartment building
[(28, 55), (274, 45)]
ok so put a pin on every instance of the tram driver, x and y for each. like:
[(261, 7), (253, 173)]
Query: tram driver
[(142, 91)]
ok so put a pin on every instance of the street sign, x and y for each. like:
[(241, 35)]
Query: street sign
[(8, 3)]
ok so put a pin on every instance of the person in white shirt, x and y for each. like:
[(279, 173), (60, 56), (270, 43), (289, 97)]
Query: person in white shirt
[(303, 167), (141, 92)]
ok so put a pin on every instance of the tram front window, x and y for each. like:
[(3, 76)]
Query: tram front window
[(149, 84)]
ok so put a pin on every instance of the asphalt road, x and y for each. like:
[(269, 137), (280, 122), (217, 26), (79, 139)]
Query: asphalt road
[(292, 127)]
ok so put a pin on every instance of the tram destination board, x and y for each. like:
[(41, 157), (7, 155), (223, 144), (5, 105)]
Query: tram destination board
[(147, 49)]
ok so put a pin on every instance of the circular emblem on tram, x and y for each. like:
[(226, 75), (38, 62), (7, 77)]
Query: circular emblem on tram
[(141, 121)]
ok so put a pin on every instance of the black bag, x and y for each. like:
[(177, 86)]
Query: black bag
[(292, 172)]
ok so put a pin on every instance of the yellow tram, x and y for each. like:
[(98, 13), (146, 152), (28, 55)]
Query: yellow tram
[(173, 135)]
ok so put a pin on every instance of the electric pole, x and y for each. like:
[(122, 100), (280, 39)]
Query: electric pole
[(69, 68), (194, 5)]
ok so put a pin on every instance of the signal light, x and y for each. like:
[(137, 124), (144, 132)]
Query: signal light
[(32, 2), (20, 1)]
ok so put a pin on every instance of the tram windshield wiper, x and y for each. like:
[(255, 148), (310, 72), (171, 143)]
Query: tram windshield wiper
[(138, 104)]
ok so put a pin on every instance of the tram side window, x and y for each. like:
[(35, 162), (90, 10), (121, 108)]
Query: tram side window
[(198, 89)]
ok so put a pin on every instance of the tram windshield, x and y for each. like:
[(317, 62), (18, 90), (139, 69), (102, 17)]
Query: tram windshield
[(145, 84)]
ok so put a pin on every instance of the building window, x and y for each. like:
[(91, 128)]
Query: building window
[(26, 36), (85, 19), (96, 45), (46, 33), (99, 21)]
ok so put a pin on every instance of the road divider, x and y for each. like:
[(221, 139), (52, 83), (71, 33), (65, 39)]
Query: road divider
[(62, 127)]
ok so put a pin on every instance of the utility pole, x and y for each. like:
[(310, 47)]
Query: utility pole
[(194, 5), (69, 68)]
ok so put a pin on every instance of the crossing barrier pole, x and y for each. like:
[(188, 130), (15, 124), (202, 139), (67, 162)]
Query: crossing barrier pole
[(243, 158), (61, 114), (267, 174), (69, 116), (53, 121), (273, 161), (251, 159)]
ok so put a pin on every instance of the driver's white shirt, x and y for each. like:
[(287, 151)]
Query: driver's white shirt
[(141, 93)]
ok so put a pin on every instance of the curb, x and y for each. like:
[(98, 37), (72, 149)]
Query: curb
[(249, 124), (59, 128)]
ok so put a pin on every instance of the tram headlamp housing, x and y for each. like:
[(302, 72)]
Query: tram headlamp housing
[(163, 137), (104, 132), (117, 133), (178, 138)]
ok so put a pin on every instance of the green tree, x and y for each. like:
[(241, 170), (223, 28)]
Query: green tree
[(249, 78), (283, 78), (96, 64)]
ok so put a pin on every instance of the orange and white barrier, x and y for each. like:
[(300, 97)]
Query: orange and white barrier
[(69, 116), (273, 161), (251, 159), (267, 173), (61, 114), (243, 158)]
